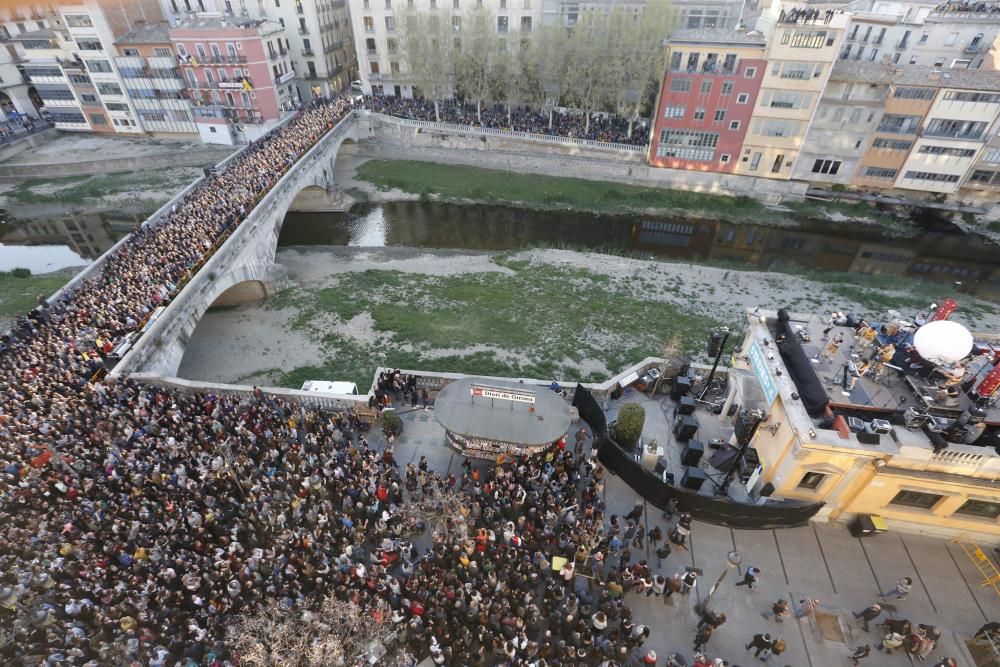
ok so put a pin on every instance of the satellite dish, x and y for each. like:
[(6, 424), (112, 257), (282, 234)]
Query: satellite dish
[(943, 342)]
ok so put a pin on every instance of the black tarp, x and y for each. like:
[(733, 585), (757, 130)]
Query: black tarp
[(720, 511), (800, 369), (590, 411)]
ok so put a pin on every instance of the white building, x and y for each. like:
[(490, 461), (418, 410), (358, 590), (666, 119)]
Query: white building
[(317, 35)]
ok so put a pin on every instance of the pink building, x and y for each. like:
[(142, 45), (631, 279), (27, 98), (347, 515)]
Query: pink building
[(707, 99), (238, 74)]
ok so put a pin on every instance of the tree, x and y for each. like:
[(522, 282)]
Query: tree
[(329, 633), (589, 72), (628, 428), (476, 57), (441, 508), (642, 55), (515, 80), (426, 40), (548, 59)]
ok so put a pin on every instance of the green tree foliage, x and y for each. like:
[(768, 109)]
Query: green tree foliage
[(631, 419), (428, 43)]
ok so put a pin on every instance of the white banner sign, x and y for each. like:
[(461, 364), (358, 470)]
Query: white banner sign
[(503, 394)]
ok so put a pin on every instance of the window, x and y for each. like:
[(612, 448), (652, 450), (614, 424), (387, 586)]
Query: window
[(680, 85), (727, 87), (932, 176), (373, 67), (688, 144), (734, 125), (201, 52), (892, 144), (36, 70), (392, 46), (394, 67), (673, 112), (390, 23), (980, 508), (956, 129), (992, 156), (98, 119), (947, 150), (181, 51), (909, 93), (454, 4), (985, 177), (826, 167), (108, 88), (805, 39), (750, 72), (879, 172), (369, 24), (742, 98), (78, 21), (116, 106), (699, 114), (898, 124), (962, 96), (89, 44), (923, 38), (706, 86), (720, 115), (66, 116), (773, 127), (161, 52), (916, 499), (52, 92), (812, 480), (130, 52), (525, 24), (783, 99), (88, 99), (755, 162), (502, 24), (231, 49), (370, 46)]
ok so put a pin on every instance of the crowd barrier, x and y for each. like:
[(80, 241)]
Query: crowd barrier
[(719, 511)]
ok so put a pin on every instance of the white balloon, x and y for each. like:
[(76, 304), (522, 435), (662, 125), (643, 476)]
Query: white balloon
[(943, 341)]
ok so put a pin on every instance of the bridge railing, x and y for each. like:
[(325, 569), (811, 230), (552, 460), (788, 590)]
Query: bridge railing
[(312, 399), (514, 134), (240, 235)]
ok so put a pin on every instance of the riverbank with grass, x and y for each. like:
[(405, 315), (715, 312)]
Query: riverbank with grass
[(462, 184), (546, 313), (19, 290)]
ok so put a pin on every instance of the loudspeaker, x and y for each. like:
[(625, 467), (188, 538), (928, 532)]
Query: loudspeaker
[(662, 465), (685, 427), (867, 438), (692, 453), (767, 490), (693, 478), (682, 385), (686, 405)]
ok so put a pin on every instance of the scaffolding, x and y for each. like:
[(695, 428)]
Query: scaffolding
[(986, 566)]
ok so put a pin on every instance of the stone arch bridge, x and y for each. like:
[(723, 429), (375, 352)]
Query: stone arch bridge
[(243, 268)]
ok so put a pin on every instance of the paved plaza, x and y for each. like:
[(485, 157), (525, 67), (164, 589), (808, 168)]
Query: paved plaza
[(822, 561)]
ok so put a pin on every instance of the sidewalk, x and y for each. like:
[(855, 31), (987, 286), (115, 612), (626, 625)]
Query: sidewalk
[(821, 561)]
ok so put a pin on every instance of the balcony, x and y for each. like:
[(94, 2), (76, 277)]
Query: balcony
[(373, 52), (303, 30), (878, 40), (973, 48), (902, 44), (308, 52), (273, 55)]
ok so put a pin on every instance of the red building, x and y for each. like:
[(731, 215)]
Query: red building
[(707, 98)]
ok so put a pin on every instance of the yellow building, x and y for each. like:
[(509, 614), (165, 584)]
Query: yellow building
[(800, 54), (887, 468)]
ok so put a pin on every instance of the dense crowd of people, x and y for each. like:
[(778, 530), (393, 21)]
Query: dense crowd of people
[(973, 7), (603, 127)]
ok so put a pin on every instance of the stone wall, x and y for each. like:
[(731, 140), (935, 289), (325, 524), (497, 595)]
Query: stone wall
[(395, 140), (196, 157)]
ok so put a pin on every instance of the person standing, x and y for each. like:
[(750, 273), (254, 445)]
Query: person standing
[(780, 610), (831, 348), (424, 398), (860, 653), (760, 642), (689, 580), (868, 615), (700, 639), (749, 577), (900, 591), (807, 607)]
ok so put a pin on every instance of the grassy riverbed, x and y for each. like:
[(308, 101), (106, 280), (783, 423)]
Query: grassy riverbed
[(18, 294)]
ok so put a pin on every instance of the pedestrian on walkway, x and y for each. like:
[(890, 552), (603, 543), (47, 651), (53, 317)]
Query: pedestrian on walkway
[(655, 536), (867, 615), (900, 591), (700, 639), (659, 586), (689, 580), (760, 642), (424, 398), (780, 610), (662, 551), (807, 607), (890, 641), (673, 586), (671, 509), (860, 653), (636, 512), (749, 578), (714, 619), (777, 648)]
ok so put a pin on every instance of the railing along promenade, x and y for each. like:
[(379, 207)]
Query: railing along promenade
[(513, 134)]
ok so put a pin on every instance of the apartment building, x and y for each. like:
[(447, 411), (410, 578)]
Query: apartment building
[(708, 95), (687, 14), (16, 94), (849, 110), (800, 53), (238, 74), (153, 81), (984, 177), (317, 36)]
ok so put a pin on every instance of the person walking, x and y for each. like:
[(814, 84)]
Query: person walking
[(860, 653), (807, 607), (777, 648), (760, 642), (424, 398), (780, 610), (749, 577), (636, 513), (700, 639), (900, 591), (689, 580), (868, 614), (890, 641)]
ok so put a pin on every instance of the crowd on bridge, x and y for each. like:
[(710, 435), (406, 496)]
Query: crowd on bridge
[(603, 127)]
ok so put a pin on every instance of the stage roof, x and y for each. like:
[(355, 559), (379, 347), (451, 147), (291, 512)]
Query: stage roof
[(500, 419)]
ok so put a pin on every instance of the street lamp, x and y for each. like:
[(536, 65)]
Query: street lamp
[(733, 559)]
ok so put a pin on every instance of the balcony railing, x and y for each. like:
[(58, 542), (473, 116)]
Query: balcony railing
[(308, 52), (303, 30), (902, 44), (973, 48)]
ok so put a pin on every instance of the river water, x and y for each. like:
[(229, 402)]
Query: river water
[(940, 253)]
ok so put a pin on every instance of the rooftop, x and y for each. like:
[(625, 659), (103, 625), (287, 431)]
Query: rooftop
[(719, 36), (35, 34), (156, 33), (915, 75), (218, 22)]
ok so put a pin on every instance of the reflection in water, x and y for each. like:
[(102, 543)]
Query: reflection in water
[(936, 255), (73, 239), (39, 259)]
